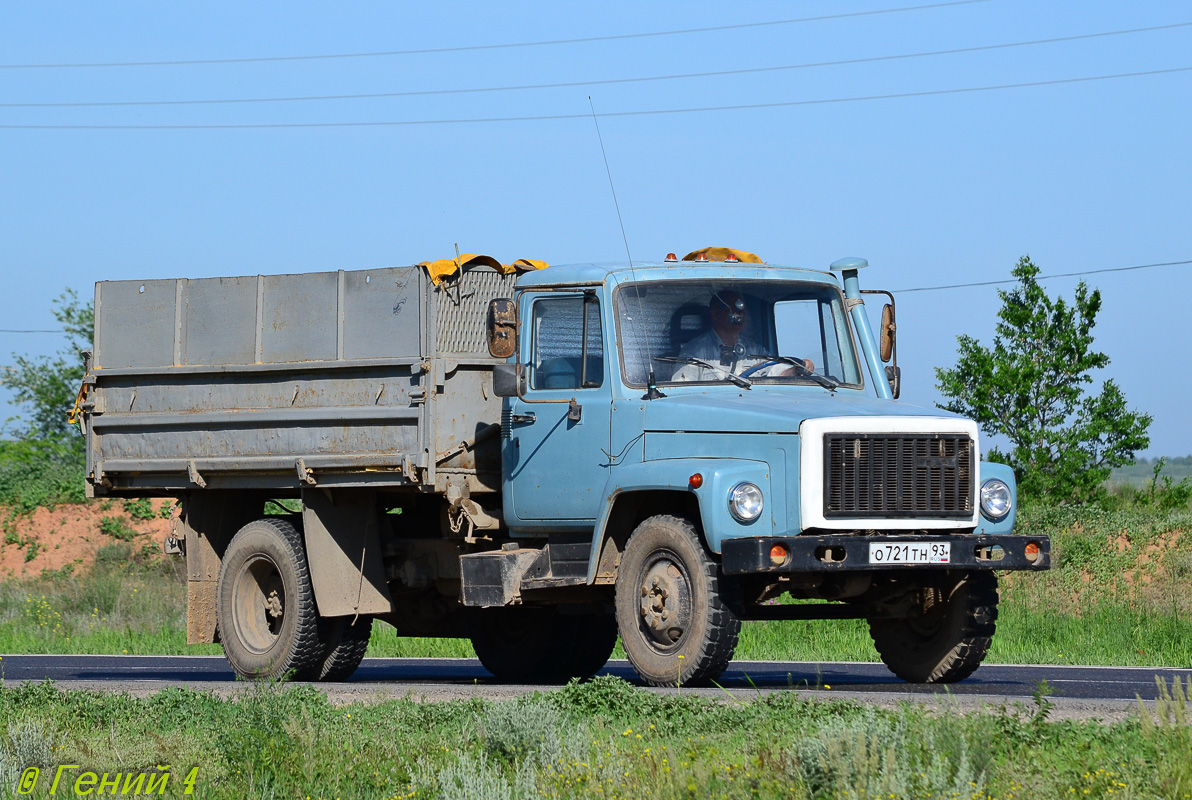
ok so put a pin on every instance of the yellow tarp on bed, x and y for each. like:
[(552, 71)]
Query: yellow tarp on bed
[(446, 267)]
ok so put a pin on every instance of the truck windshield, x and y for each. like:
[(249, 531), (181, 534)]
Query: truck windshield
[(735, 332)]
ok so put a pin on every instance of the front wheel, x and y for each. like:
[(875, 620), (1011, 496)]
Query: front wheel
[(674, 608), (265, 605), (947, 637)]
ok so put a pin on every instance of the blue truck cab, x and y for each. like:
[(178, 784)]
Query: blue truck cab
[(714, 434)]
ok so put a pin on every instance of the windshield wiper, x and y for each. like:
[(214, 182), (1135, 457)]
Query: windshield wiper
[(823, 380), (744, 383)]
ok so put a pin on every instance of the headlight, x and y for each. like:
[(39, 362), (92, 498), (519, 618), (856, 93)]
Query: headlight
[(745, 502), (996, 500)]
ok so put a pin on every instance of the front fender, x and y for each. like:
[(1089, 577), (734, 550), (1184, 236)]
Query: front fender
[(719, 475), (987, 470)]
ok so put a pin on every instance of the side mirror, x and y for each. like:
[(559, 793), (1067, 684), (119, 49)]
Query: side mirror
[(502, 328), (507, 379), (894, 376), (887, 334)]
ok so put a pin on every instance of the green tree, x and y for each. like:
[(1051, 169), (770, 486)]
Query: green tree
[(1030, 388), (46, 385)]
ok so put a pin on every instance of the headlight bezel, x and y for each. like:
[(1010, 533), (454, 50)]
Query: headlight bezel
[(742, 507), (987, 488)]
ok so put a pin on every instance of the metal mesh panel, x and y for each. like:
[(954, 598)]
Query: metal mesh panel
[(898, 475), (463, 310)]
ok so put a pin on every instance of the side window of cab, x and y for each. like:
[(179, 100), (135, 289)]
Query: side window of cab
[(567, 348)]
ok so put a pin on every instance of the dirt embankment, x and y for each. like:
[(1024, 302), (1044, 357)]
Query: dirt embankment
[(69, 537)]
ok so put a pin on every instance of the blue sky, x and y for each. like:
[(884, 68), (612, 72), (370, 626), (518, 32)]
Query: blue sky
[(933, 190)]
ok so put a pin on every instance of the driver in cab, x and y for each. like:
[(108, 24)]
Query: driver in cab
[(725, 346)]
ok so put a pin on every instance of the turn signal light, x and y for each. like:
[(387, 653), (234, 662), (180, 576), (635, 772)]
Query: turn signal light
[(695, 481), (671, 257), (778, 555), (1032, 551)]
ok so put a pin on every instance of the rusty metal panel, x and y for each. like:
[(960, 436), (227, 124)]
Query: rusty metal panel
[(381, 312), (219, 320), (134, 324), (364, 377), (467, 423), (299, 317)]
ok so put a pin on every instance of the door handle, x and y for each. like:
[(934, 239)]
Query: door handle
[(523, 419)]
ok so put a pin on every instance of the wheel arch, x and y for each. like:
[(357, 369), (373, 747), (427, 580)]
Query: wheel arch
[(626, 510), (664, 487)]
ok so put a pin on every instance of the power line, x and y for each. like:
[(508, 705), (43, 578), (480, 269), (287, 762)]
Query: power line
[(600, 82), (552, 117), (1046, 277), (503, 46), (28, 330)]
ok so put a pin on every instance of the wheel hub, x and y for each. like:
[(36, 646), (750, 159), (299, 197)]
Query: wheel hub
[(273, 606), (665, 602), (258, 604)]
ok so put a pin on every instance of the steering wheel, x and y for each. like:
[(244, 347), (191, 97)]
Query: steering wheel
[(757, 367)]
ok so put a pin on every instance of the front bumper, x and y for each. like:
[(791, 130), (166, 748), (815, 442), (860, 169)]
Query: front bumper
[(850, 553)]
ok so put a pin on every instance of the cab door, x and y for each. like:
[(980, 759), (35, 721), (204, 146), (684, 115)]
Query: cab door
[(555, 457)]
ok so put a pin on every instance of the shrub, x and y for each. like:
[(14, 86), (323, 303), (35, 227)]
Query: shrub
[(473, 777), (1169, 729), (28, 744), (117, 529), (114, 553), (41, 473), (526, 729), (141, 508), (873, 756)]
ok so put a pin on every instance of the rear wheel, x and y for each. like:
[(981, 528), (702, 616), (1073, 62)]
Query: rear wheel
[(265, 606), (948, 636), (674, 608), (541, 644), (344, 645)]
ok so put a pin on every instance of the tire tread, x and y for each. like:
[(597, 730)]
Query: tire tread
[(978, 626), (724, 624), (306, 649)]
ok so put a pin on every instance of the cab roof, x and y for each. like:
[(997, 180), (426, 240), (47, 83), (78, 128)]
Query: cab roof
[(621, 272)]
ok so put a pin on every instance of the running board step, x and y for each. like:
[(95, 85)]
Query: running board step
[(498, 577)]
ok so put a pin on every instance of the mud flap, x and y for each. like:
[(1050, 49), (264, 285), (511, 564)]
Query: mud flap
[(343, 549)]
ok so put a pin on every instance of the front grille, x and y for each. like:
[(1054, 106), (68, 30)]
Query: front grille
[(898, 475)]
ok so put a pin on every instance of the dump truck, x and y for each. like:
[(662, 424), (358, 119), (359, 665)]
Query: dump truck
[(541, 459)]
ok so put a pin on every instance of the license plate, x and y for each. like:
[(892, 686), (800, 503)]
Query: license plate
[(910, 552)]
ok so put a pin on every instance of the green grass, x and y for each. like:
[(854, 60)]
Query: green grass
[(1117, 596), (602, 739), (41, 473), (1142, 471)]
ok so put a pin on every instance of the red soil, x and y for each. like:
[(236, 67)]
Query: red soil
[(70, 534)]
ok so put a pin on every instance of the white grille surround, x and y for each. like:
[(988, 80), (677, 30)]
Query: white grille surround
[(811, 469)]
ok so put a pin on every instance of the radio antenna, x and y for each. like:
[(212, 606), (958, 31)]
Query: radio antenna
[(652, 392)]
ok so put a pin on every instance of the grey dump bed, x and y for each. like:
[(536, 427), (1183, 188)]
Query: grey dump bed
[(352, 378)]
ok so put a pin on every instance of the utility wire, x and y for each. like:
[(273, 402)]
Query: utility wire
[(907, 291), (1045, 277), (504, 46), (552, 117), (601, 82)]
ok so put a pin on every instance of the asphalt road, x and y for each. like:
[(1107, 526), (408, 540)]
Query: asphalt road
[(1107, 692)]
